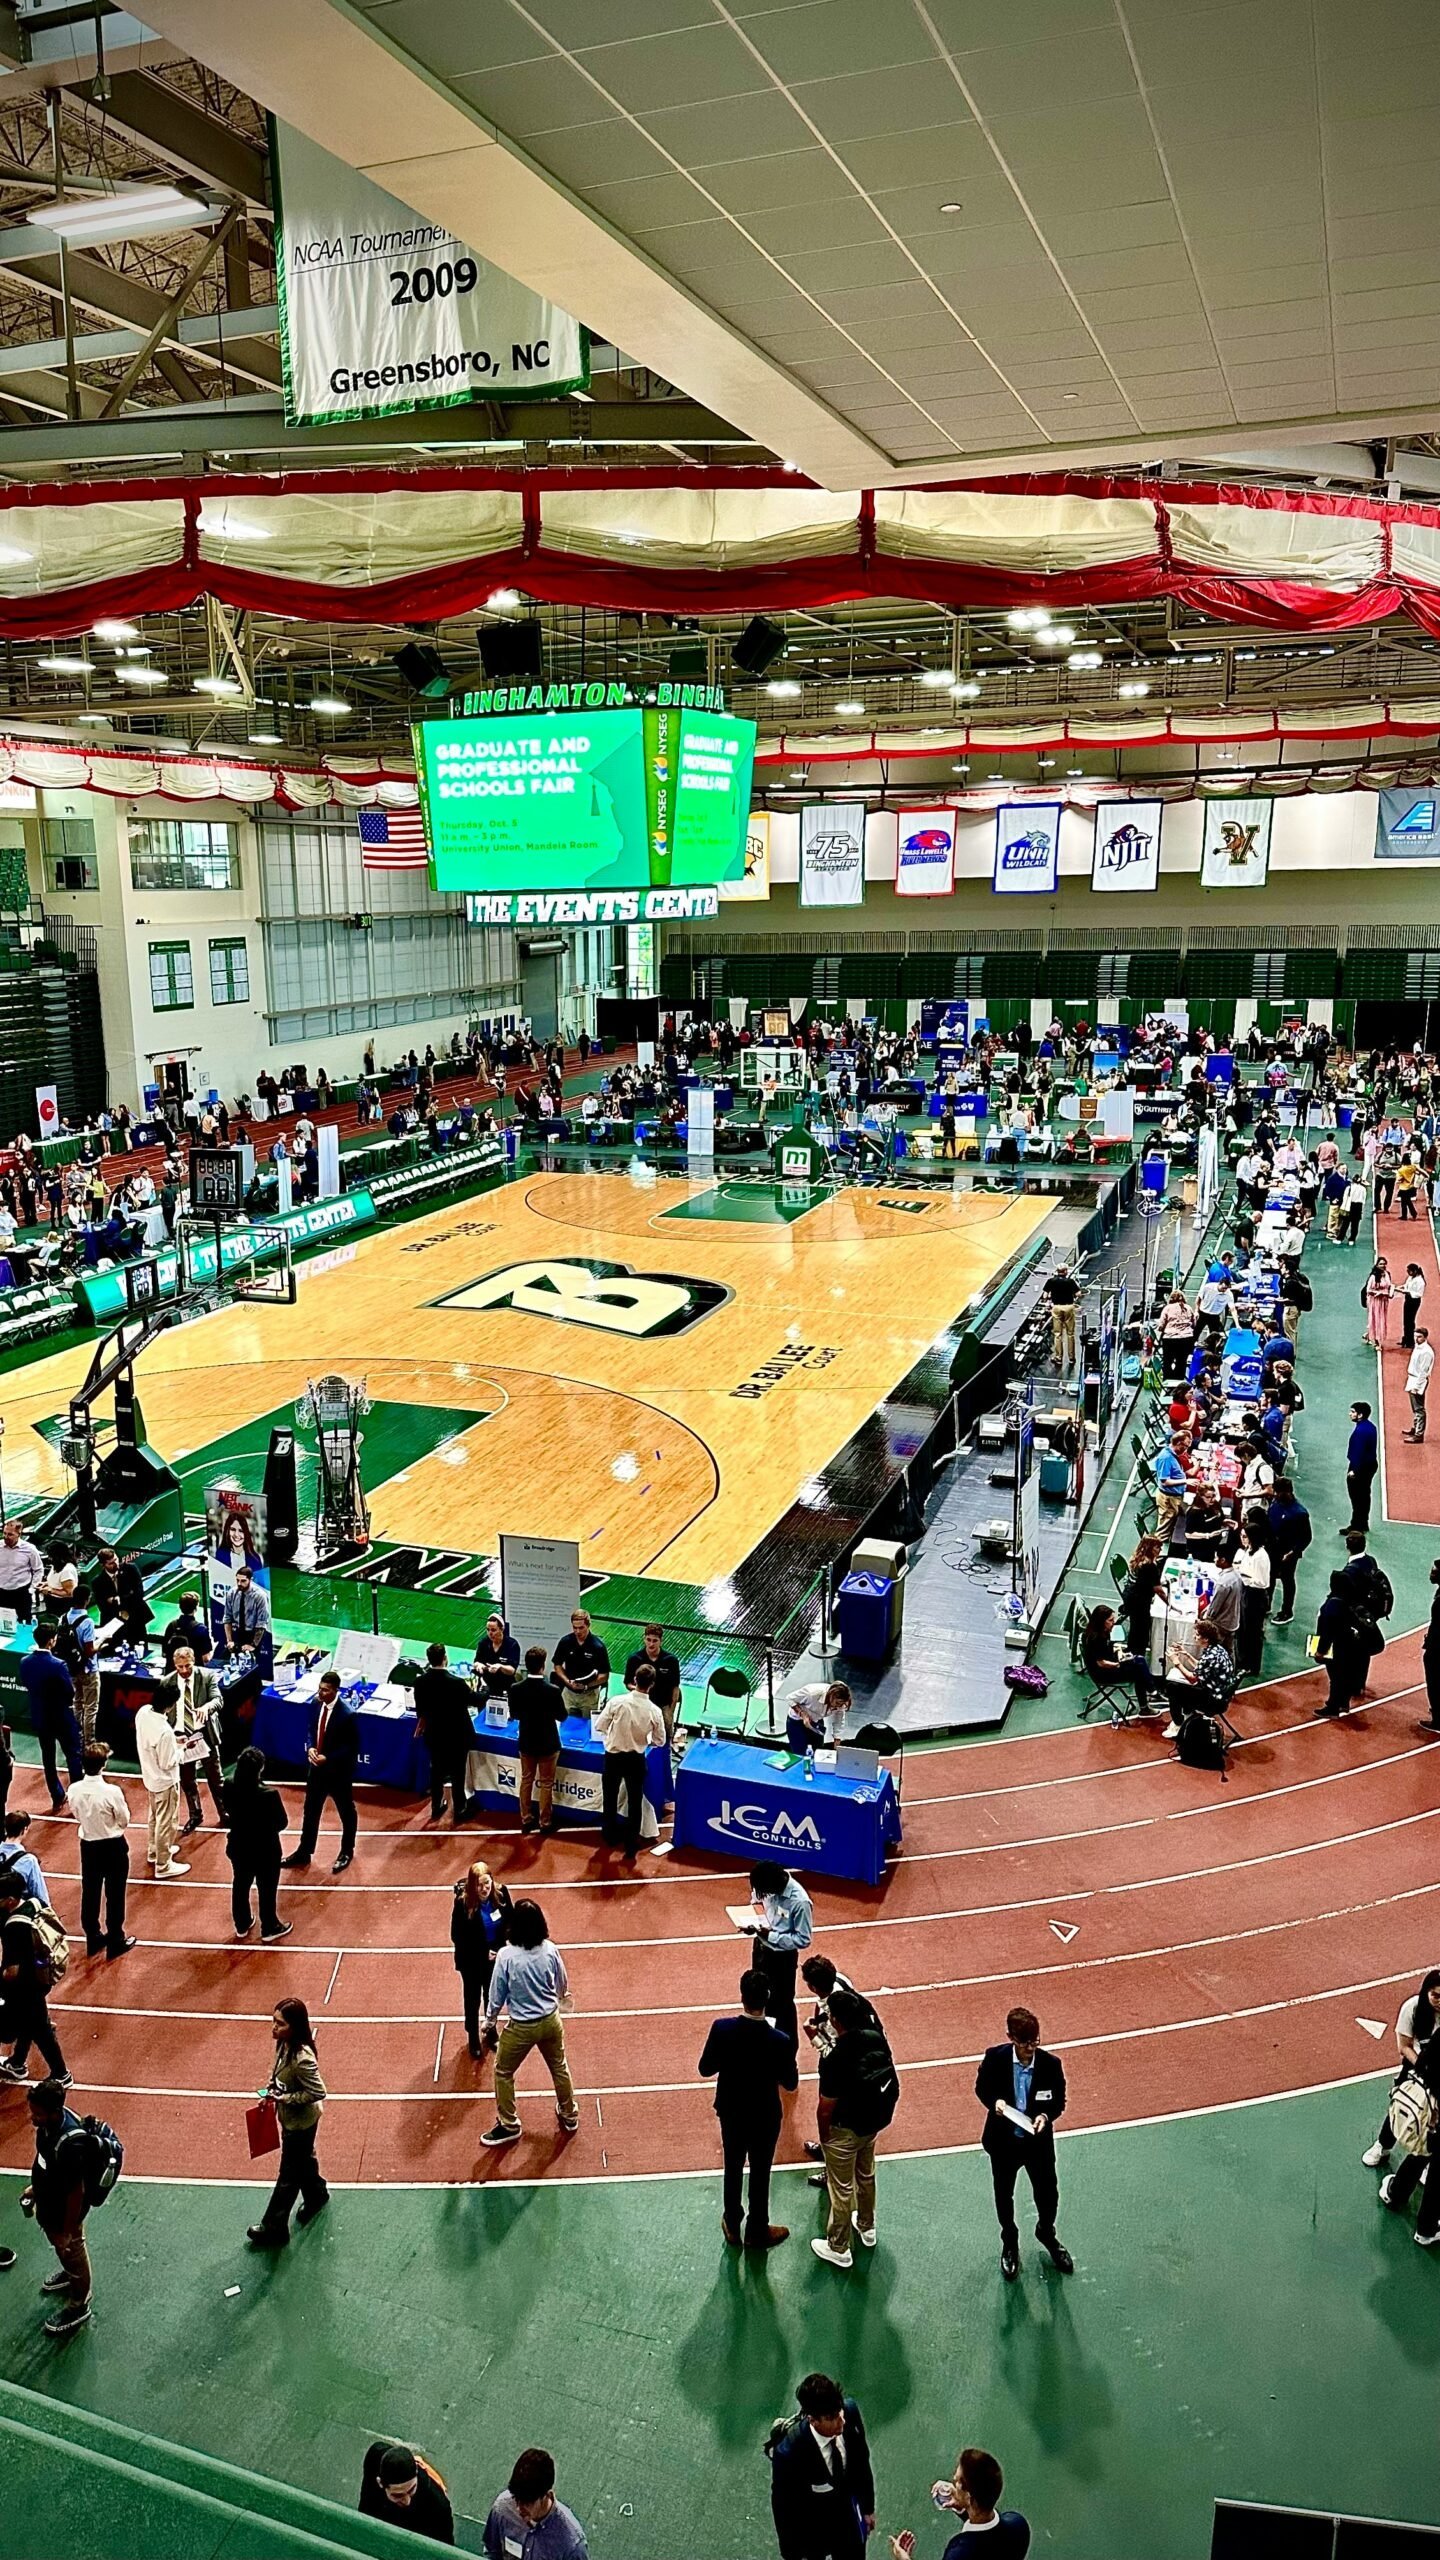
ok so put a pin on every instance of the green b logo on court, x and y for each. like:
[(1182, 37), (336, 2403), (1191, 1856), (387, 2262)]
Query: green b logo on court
[(608, 1295)]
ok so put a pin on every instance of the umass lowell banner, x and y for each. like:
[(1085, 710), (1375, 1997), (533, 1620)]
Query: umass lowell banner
[(1127, 846)]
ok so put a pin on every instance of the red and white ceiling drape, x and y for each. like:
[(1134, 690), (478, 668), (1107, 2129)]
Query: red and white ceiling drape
[(394, 546)]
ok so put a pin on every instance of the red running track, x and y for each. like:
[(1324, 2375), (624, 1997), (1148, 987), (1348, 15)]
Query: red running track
[(1241, 1930), (1412, 1470)]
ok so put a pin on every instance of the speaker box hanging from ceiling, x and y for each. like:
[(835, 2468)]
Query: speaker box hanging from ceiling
[(758, 647), (690, 664), (423, 669), (510, 652)]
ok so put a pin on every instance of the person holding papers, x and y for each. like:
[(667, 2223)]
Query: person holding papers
[(1022, 2089)]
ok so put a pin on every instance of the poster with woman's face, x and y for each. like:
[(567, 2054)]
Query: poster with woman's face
[(235, 1530)]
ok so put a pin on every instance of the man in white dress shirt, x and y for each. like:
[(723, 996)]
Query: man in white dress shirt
[(159, 1756), (102, 1813)]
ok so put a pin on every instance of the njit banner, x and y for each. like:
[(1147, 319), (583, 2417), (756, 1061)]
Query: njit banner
[(381, 311), (756, 880), (832, 855), (925, 864), (1027, 849), (1407, 827), (1127, 846), (1235, 848)]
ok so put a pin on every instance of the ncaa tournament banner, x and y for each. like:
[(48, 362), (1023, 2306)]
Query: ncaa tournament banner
[(1235, 848), (1407, 827), (925, 863), (832, 855), (1127, 846), (1027, 849), (755, 882), (381, 311)]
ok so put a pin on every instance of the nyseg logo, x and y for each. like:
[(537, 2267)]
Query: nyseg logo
[(607, 1295)]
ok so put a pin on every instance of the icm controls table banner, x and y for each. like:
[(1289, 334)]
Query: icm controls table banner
[(832, 855), (1027, 849), (1127, 847), (381, 311)]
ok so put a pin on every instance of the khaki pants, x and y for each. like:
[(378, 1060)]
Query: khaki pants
[(544, 1771), (1168, 1507), (87, 1703), (164, 1806), (547, 2036), (850, 2176), (1062, 1335)]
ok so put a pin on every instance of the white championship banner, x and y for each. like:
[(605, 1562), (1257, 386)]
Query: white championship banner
[(1235, 849), (832, 855), (382, 311), (1127, 846)]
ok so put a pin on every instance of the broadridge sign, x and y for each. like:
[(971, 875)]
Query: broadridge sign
[(382, 312)]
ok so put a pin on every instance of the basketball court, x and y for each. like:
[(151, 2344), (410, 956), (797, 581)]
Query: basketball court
[(654, 1366)]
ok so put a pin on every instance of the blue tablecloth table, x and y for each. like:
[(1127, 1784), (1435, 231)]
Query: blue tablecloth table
[(731, 1800)]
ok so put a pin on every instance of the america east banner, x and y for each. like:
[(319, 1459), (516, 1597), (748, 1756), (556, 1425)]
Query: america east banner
[(925, 861), (1407, 826), (1127, 846)]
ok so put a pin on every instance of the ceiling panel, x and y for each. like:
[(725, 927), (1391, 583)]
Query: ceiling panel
[(456, 36), (856, 107), (673, 70), (728, 129), (865, 35), (572, 22)]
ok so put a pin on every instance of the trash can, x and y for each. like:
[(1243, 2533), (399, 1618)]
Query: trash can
[(864, 1616), (1054, 1477)]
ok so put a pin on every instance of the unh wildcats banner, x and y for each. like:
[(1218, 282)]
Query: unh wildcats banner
[(381, 311), (1235, 849), (1127, 846), (1027, 849)]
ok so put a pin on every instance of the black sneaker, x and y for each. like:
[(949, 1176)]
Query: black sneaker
[(1009, 2264), (312, 2212), (818, 2180), (7, 2261), (268, 1935), (260, 2238), (813, 2150), (63, 2324), (345, 1859), (123, 1949), (499, 2135), (295, 1860)]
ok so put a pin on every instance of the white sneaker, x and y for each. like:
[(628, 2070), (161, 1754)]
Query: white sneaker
[(175, 1868), (832, 2257), (1385, 2192), (1170, 1731), (868, 2239), (1375, 2158)]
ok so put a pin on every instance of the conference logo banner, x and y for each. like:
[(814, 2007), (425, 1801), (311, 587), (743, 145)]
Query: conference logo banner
[(1127, 847), (382, 312), (925, 863), (1027, 849), (1407, 827), (1235, 848), (756, 880), (832, 856)]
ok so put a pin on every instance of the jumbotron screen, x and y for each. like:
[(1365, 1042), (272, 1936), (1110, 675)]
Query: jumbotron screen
[(610, 799)]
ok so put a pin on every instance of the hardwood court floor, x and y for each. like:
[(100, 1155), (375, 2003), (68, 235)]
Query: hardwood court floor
[(748, 1360)]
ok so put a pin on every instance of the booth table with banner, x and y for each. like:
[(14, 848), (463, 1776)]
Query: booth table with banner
[(731, 1798), (391, 1755)]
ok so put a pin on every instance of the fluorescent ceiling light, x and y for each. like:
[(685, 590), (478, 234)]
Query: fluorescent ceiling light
[(126, 213), (1085, 658), (131, 673), (1055, 635), (959, 768), (936, 676), (330, 702), (1028, 617), (784, 685), (265, 738), (1134, 692), (94, 719), (849, 710), (218, 684), (504, 600), (64, 666), (115, 631), (966, 688)]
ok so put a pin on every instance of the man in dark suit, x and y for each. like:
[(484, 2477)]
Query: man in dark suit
[(1020, 2078), (822, 2488), (190, 1698), (750, 2062), (334, 1750), (444, 1705)]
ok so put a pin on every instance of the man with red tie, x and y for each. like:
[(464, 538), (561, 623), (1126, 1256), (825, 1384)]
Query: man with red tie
[(334, 1750)]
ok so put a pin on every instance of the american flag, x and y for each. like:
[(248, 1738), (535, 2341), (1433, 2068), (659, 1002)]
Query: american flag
[(392, 840)]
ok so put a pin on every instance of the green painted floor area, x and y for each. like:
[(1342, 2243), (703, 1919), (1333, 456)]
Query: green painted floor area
[(396, 1436), (758, 1204), (1244, 2320)]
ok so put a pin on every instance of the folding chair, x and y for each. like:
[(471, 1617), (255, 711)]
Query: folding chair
[(1119, 1572), (1116, 1698), (726, 1683), (890, 1746)]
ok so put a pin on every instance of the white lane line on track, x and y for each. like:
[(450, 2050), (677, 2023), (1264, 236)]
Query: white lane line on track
[(921, 1858), (912, 1920), (782, 2168), (808, 2079), (330, 1985), (873, 1991)]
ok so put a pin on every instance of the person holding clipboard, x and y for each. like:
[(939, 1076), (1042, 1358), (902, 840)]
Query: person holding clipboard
[(1022, 2089)]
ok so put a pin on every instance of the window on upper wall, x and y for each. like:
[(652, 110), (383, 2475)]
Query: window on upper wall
[(229, 973), (184, 853), (172, 983), (70, 861)]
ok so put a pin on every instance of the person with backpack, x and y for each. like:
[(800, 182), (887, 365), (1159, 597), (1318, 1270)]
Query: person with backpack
[(1346, 1639), (77, 2164), (78, 1645), (859, 2093), (822, 2483), (1414, 2118), (1022, 2089), (33, 1958), (1201, 1683), (1430, 1658), (1417, 2024), (49, 1686)]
